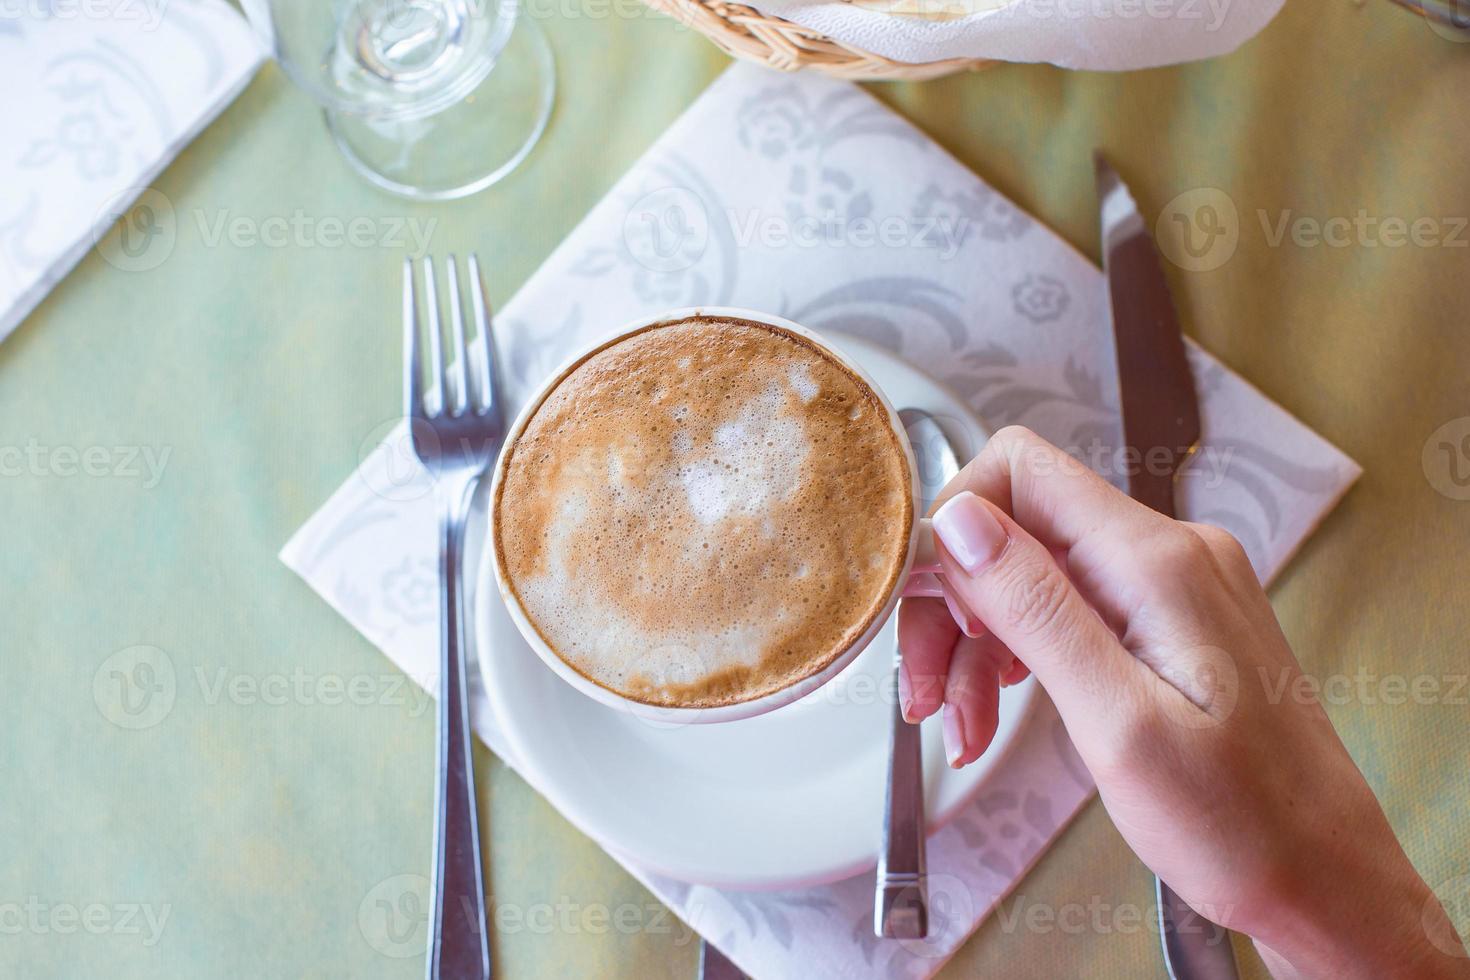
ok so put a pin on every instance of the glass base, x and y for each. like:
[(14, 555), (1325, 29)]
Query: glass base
[(471, 144)]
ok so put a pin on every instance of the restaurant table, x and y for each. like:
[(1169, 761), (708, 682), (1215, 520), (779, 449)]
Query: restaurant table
[(289, 787)]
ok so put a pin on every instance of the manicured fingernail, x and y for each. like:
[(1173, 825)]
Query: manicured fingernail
[(969, 531), (1014, 674), (954, 735), (905, 694)]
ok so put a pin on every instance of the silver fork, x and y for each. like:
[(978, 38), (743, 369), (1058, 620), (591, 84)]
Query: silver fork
[(455, 437)]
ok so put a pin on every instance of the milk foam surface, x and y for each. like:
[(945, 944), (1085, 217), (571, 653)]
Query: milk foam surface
[(704, 512)]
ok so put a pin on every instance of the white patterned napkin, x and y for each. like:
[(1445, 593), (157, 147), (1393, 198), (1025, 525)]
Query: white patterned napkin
[(805, 197), (1097, 35), (99, 97)]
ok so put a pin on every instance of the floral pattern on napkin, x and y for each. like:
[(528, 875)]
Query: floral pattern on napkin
[(100, 97), (821, 205)]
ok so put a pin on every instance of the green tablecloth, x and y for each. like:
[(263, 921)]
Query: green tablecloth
[(260, 818)]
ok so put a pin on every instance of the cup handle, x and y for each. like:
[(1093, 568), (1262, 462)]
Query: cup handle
[(925, 573)]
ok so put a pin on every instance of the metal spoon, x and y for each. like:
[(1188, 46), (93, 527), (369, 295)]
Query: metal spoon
[(901, 899), (901, 903)]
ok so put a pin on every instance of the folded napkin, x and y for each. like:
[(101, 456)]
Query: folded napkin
[(1099, 35), (99, 97), (780, 194)]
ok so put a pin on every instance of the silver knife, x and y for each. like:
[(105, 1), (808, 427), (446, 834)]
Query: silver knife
[(1161, 426)]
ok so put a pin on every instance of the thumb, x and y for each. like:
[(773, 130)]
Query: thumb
[(1010, 580)]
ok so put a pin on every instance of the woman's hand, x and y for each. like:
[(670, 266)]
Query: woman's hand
[(1176, 685)]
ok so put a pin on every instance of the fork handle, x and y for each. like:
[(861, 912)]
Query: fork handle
[(458, 944)]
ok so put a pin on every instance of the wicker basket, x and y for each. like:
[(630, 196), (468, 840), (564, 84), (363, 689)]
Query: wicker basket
[(745, 32)]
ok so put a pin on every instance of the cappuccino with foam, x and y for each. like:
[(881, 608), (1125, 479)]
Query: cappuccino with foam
[(703, 512)]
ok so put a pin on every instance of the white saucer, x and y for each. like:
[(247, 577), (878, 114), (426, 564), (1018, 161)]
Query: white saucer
[(785, 799)]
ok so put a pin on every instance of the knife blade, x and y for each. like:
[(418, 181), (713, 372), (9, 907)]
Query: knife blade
[(1161, 424), (1161, 429)]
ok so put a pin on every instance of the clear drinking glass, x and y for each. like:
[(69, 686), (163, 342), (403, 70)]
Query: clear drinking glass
[(430, 99)]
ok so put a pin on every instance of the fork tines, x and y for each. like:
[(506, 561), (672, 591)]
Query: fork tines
[(447, 391)]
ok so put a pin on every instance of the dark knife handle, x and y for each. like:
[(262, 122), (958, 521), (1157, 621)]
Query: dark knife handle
[(713, 965), (1194, 947), (1161, 428)]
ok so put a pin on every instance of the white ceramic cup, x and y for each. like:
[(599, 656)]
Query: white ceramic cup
[(920, 564)]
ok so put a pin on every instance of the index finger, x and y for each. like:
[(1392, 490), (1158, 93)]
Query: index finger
[(1051, 494)]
